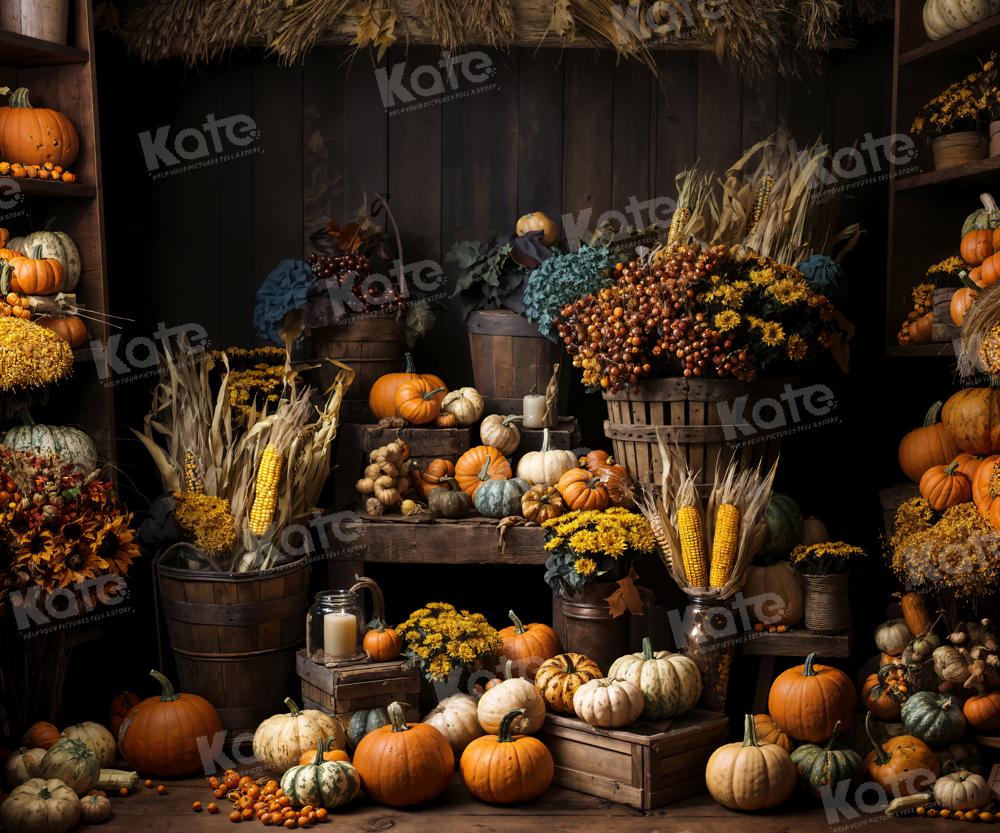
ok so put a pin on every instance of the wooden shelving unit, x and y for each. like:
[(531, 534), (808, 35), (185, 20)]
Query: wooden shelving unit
[(63, 77)]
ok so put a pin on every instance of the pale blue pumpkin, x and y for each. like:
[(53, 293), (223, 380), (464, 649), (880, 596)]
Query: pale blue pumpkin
[(934, 718), (501, 498)]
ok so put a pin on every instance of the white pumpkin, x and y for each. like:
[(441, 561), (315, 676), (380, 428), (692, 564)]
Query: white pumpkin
[(57, 245), (813, 531), (94, 809), (465, 403), (73, 763), (950, 664), (766, 585), (892, 637), (974, 11), (951, 12), (40, 806), (961, 790), (501, 432), (547, 465), (670, 683), (934, 23), (608, 703), (100, 740), (498, 701), (280, 740), (457, 718), (71, 444), (22, 765)]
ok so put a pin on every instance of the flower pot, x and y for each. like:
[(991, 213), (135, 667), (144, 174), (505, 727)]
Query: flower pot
[(828, 608), (583, 621), (709, 640), (46, 20), (956, 149), (995, 138)]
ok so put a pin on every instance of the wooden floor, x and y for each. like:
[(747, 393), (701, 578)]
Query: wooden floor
[(560, 811)]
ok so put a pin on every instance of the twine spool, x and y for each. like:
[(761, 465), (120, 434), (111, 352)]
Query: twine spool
[(828, 609)]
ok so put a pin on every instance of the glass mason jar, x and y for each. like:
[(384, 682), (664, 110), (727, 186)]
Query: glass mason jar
[(335, 628)]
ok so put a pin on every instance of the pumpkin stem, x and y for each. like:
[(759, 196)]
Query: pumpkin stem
[(647, 648), (19, 98), (505, 736), (44, 793), (450, 482), (570, 667), (397, 717), (294, 709), (807, 666), (508, 670), (507, 420), (167, 687), (833, 737), (321, 748), (432, 393), (881, 756), (950, 471), (5, 276), (933, 414), (518, 626), (749, 731), (484, 472), (545, 439)]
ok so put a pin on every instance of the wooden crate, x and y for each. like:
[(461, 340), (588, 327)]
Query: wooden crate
[(648, 765), (356, 442), (566, 435), (363, 685)]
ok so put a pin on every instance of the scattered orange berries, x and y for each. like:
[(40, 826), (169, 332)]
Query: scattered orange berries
[(161, 790), (213, 808), (148, 784), (48, 171), (196, 806), (123, 791)]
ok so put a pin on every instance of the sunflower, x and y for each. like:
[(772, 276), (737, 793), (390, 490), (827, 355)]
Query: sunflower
[(115, 542), (585, 566), (772, 334), (797, 347), (727, 320)]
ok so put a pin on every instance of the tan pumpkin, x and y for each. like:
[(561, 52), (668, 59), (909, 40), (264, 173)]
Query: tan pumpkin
[(926, 446), (750, 775), (892, 637), (95, 809), (22, 765), (99, 739), (962, 790), (73, 763), (501, 432), (557, 679), (777, 592), (457, 718), (280, 740), (466, 404), (546, 466), (40, 805), (516, 693), (769, 732), (608, 703)]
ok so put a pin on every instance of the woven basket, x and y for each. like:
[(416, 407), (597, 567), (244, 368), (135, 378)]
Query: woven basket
[(828, 606)]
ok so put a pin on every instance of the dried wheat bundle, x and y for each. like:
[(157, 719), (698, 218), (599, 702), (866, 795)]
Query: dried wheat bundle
[(697, 210), (979, 351), (707, 546), (167, 29), (492, 21), (301, 26), (816, 23)]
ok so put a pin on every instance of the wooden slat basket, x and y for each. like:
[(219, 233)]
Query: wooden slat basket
[(687, 412)]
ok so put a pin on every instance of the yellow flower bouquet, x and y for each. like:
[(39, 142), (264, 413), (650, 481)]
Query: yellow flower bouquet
[(594, 545), (440, 639)]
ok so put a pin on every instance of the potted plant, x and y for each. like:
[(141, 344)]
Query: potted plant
[(826, 568), (954, 119)]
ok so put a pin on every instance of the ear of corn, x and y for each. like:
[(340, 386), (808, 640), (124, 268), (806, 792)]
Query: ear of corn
[(727, 528), (265, 491), (691, 532), (193, 481), (677, 224), (760, 199)]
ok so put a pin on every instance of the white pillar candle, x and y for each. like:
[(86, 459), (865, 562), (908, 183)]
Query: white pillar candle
[(534, 411), (340, 635)]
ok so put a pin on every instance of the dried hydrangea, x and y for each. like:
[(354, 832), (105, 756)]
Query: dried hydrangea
[(207, 520), (31, 356), (912, 516)]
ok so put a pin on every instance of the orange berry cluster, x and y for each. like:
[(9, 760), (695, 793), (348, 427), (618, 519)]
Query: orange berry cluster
[(263, 800), (760, 628), (47, 171), (16, 305), (957, 815)]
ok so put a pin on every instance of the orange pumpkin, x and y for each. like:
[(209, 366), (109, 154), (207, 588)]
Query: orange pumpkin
[(479, 464), (160, 735), (972, 418), (507, 768), (418, 402), (404, 764), (929, 445), (881, 693), (36, 135), (989, 271), (70, 328), (968, 464), (983, 711), (381, 643), (32, 275), (382, 397), (904, 765), (977, 245), (961, 301), (582, 490), (807, 701), (595, 459), (944, 486), (986, 487), (433, 474), (528, 646), (769, 732), (330, 754), (41, 735)]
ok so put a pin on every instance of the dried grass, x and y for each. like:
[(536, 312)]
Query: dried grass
[(493, 20), (980, 324)]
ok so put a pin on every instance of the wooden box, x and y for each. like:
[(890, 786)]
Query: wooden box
[(356, 442), (364, 685), (566, 435), (645, 766)]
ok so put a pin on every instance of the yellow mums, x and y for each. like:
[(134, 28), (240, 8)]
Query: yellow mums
[(31, 356), (441, 638), (609, 532)]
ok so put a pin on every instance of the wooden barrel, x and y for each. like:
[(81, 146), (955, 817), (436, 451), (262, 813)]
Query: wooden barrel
[(710, 420), (234, 635), (371, 347), (509, 356)]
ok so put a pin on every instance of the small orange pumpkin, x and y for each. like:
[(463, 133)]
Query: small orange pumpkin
[(922, 329), (382, 397), (989, 270), (330, 754), (418, 401), (961, 301), (944, 486), (434, 473), (968, 464), (977, 245), (582, 490), (68, 327), (33, 275), (41, 735), (479, 464), (986, 485), (983, 711)]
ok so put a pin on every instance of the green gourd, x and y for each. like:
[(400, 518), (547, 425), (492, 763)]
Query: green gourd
[(328, 784), (784, 526), (934, 718), (366, 720), (501, 498), (825, 766), (448, 502)]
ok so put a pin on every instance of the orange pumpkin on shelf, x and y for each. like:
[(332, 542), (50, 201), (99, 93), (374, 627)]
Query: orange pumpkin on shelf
[(479, 464), (945, 486), (582, 490), (382, 397), (33, 275), (808, 700), (433, 474), (961, 301), (68, 327), (926, 446), (418, 402), (36, 135), (977, 245), (972, 418)]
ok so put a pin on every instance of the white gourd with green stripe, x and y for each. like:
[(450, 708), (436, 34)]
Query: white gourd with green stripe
[(328, 784), (671, 683)]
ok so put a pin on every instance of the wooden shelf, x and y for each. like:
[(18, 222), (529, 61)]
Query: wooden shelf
[(973, 177), (977, 38), (939, 349), (21, 51), (798, 643), (56, 190)]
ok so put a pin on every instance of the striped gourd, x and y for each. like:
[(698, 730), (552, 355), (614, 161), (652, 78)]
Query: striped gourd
[(329, 784), (691, 532), (265, 491), (727, 529), (671, 683), (72, 762), (70, 444)]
